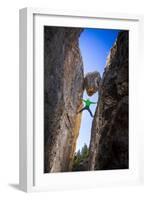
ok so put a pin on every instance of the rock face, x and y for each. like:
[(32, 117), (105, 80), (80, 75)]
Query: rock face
[(109, 134), (92, 82), (63, 90)]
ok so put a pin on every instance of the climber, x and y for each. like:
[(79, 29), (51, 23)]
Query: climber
[(87, 105)]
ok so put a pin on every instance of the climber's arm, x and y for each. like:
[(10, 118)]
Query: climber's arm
[(83, 100), (93, 102)]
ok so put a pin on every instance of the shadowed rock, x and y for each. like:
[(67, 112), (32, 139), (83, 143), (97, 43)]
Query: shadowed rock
[(109, 133), (92, 82)]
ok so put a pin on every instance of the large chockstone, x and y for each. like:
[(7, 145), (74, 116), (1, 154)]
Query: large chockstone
[(92, 82)]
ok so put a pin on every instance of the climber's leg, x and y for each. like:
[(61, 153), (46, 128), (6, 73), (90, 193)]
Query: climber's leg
[(90, 112), (82, 110)]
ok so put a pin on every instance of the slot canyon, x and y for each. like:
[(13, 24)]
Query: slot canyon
[(64, 84)]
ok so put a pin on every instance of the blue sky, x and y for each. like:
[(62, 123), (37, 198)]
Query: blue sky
[(95, 45)]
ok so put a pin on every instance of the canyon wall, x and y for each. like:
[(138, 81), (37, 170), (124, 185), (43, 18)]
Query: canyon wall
[(63, 90), (109, 134)]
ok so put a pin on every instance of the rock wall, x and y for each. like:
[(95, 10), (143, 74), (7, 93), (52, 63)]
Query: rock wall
[(109, 133), (63, 90)]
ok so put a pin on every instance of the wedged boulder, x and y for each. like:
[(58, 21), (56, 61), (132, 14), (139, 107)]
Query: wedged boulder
[(63, 90), (109, 134), (92, 82)]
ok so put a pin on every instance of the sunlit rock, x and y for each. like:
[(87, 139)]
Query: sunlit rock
[(63, 90)]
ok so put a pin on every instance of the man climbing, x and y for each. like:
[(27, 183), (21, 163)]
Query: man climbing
[(87, 105)]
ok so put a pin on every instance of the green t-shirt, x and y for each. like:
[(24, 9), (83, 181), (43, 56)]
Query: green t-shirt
[(88, 102)]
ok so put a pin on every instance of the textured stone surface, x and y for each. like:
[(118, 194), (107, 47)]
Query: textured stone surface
[(109, 134), (92, 82), (63, 90)]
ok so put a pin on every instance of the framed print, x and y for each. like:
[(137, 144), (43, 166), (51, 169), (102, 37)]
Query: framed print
[(79, 126)]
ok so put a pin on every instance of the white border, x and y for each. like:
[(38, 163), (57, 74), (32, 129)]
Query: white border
[(31, 86)]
